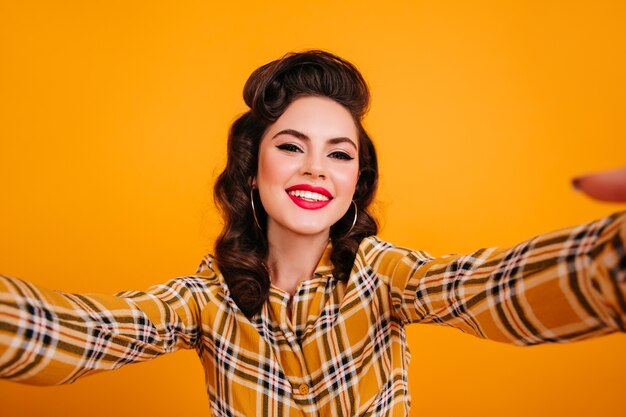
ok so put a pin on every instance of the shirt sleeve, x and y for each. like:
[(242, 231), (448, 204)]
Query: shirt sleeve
[(50, 337), (558, 287)]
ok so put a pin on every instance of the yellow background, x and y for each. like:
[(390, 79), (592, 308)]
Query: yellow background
[(113, 119)]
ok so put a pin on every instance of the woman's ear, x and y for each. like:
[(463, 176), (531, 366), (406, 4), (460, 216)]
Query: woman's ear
[(253, 182)]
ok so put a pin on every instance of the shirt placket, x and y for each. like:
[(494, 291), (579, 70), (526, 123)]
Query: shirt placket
[(293, 361)]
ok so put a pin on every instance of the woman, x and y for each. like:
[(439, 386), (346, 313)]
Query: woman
[(303, 309)]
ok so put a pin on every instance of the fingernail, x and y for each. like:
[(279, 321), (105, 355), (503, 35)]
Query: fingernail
[(576, 184)]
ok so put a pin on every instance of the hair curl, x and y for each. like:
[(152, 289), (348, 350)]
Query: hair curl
[(241, 248)]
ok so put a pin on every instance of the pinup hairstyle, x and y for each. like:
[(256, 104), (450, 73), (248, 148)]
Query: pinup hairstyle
[(241, 248)]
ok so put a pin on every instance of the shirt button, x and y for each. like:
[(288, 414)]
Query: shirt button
[(304, 389)]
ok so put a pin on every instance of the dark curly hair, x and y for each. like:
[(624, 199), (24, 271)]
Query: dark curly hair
[(241, 249)]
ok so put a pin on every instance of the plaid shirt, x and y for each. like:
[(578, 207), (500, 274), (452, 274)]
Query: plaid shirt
[(344, 351)]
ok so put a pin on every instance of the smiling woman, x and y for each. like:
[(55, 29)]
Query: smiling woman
[(307, 176), (303, 310), (303, 130), (311, 152)]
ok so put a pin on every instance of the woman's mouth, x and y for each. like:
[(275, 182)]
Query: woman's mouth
[(309, 197)]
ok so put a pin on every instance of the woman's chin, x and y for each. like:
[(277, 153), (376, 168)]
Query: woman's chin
[(299, 227), (308, 229)]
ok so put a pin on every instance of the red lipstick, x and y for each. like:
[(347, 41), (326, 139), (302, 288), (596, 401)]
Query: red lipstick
[(306, 204)]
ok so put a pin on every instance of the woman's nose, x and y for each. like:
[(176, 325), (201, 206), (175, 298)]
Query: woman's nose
[(314, 166)]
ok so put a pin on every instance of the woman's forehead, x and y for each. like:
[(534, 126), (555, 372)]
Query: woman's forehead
[(317, 118)]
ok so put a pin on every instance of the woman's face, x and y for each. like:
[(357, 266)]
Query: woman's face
[(308, 166)]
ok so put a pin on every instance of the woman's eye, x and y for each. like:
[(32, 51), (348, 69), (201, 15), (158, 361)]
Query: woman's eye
[(341, 155), (289, 147)]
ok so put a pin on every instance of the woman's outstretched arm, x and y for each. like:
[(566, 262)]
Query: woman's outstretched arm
[(557, 287), (49, 337)]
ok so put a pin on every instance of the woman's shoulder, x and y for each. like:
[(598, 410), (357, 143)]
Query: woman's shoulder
[(380, 254), (375, 245), (207, 266), (205, 282), (208, 270)]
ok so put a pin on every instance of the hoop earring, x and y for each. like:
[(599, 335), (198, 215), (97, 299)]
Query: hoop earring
[(356, 213), (253, 209)]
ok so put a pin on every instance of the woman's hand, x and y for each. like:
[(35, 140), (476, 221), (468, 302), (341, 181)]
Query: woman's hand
[(604, 186)]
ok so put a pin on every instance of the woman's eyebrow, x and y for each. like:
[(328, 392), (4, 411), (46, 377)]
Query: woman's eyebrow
[(302, 136)]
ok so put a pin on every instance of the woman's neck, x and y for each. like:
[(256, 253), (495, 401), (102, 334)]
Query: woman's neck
[(292, 257)]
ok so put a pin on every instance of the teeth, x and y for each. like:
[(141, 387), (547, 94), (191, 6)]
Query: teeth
[(308, 195)]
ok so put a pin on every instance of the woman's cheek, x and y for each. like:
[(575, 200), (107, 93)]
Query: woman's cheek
[(348, 178), (274, 168)]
